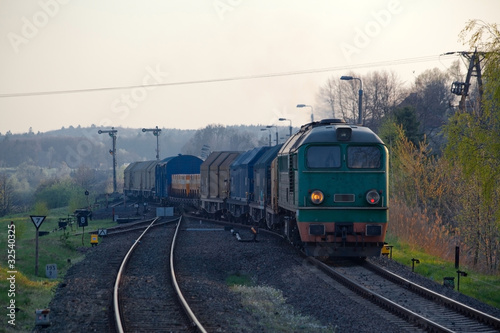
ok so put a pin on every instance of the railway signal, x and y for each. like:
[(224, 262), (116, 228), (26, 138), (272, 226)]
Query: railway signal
[(112, 134), (156, 132)]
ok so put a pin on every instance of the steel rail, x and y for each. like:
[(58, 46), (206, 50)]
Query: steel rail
[(184, 304), (116, 305), (450, 303), (382, 301)]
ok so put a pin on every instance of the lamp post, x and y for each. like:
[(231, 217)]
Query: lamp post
[(267, 129), (112, 134), (307, 106), (205, 151), (271, 126), (156, 132), (360, 100), (290, 126)]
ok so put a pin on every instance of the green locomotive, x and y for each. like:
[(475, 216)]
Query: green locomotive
[(331, 190)]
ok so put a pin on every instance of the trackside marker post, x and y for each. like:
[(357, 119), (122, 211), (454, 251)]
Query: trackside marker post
[(37, 221)]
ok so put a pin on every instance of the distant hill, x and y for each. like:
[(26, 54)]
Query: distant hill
[(84, 146), (74, 147)]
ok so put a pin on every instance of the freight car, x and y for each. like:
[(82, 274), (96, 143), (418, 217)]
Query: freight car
[(214, 182), (242, 184), (148, 180), (139, 179), (181, 164)]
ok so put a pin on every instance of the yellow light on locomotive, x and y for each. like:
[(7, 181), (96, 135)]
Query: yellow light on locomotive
[(317, 197), (372, 197)]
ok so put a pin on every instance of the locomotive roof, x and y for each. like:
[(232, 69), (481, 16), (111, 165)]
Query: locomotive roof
[(325, 131)]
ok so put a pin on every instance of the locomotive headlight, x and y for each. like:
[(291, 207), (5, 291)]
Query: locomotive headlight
[(372, 197), (317, 197)]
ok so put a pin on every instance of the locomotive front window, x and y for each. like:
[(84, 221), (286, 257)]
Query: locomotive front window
[(323, 157), (363, 157)]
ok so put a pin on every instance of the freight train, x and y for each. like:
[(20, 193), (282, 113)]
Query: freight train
[(326, 189)]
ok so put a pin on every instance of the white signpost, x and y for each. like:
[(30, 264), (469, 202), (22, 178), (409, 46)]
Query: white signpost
[(51, 271), (37, 221)]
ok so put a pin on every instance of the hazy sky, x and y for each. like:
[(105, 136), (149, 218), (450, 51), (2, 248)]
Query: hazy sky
[(75, 62)]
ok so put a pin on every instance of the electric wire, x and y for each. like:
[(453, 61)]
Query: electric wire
[(235, 78)]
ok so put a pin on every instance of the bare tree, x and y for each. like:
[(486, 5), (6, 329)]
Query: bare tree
[(219, 137), (382, 91), (84, 176), (433, 102), (326, 97)]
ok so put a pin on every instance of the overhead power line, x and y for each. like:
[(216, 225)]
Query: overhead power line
[(235, 78)]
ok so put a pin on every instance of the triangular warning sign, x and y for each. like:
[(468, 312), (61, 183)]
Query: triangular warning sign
[(37, 220)]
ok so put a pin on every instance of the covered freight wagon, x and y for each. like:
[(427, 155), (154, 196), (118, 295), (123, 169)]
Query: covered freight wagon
[(214, 180), (242, 181), (180, 164), (139, 179), (261, 199)]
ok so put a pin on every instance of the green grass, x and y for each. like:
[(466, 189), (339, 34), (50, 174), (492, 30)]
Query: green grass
[(269, 307), (239, 279), (58, 247), (485, 288)]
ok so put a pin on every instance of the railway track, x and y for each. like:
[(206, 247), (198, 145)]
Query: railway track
[(146, 294), (135, 226), (417, 305), (206, 256)]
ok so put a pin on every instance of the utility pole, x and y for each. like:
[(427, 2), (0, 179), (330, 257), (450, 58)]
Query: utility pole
[(112, 134), (462, 88)]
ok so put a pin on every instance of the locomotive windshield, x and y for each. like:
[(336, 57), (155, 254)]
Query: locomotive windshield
[(363, 157), (323, 157)]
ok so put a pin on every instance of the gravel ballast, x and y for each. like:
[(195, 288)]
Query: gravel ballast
[(279, 292)]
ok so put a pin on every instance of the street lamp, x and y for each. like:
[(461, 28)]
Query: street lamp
[(271, 126), (156, 132), (307, 106), (360, 101), (205, 151), (283, 119), (112, 134), (267, 129)]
